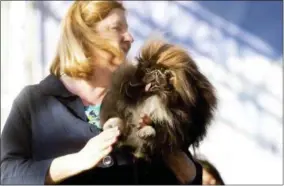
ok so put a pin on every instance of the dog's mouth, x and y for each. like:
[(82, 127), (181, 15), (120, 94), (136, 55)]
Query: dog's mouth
[(151, 87), (148, 87)]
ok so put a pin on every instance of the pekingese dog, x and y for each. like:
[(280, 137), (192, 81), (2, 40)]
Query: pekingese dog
[(168, 87)]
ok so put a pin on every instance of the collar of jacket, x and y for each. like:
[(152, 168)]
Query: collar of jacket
[(52, 86)]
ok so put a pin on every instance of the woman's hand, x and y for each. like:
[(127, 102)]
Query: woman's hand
[(94, 151), (182, 166), (97, 148)]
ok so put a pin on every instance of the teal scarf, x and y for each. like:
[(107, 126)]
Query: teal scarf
[(93, 114)]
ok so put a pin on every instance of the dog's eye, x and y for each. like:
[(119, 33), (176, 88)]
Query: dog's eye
[(147, 70), (168, 74)]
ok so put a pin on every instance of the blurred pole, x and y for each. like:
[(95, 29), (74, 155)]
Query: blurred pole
[(36, 35), (41, 18), (20, 51), (5, 7)]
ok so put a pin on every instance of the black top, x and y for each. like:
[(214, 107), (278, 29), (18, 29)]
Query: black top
[(47, 121)]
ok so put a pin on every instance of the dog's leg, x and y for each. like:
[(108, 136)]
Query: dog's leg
[(146, 132), (140, 153)]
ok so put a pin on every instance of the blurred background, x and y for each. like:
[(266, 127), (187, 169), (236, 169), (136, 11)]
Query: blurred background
[(236, 44)]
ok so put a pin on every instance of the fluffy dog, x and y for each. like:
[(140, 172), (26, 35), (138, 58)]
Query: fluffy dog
[(168, 87)]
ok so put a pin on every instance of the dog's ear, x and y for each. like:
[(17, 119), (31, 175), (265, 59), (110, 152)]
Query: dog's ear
[(205, 105), (142, 64), (181, 83)]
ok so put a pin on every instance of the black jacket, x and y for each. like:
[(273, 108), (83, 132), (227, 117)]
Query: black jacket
[(47, 121)]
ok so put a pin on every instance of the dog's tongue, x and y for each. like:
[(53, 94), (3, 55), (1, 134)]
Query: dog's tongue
[(147, 87)]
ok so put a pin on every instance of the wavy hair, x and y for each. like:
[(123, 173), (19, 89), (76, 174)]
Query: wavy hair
[(79, 38)]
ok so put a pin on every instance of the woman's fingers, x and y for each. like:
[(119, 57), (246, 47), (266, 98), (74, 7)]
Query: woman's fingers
[(108, 134), (107, 143), (105, 152), (105, 139)]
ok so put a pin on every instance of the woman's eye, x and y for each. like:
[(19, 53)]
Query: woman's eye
[(116, 28)]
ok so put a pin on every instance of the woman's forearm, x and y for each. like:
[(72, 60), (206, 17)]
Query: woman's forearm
[(96, 148), (182, 167), (64, 167)]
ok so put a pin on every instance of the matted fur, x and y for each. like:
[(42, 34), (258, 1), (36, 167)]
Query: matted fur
[(180, 101)]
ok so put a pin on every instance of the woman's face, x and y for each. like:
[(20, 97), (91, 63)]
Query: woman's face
[(115, 28)]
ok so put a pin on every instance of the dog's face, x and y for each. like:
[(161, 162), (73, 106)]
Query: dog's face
[(155, 78), (150, 79)]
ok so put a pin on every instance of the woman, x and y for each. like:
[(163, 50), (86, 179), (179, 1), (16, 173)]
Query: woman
[(50, 137), (211, 175)]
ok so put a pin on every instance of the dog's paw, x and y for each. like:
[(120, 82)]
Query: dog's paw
[(114, 122), (144, 120), (138, 154), (146, 132)]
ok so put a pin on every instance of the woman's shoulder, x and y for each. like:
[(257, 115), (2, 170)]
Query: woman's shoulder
[(26, 93), (48, 87), (27, 96)]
